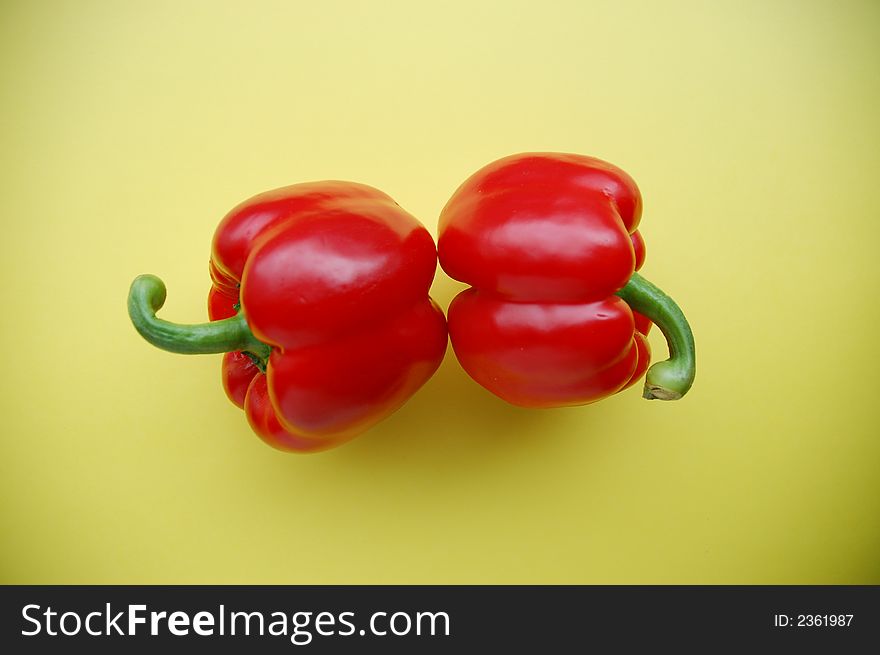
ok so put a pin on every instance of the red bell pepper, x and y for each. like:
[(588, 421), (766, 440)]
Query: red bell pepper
[(556, 314), (320, 302)]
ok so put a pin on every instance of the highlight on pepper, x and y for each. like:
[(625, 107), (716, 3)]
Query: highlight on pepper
[(320, 303), (556, 313)]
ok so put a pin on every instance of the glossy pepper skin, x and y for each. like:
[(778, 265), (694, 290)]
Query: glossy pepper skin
[(331, 280), (546, 241)]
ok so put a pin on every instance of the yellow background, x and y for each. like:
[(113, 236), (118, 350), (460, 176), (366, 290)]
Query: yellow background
[(130, 128)]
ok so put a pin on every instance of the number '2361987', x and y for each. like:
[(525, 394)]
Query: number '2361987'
[(812, 620)]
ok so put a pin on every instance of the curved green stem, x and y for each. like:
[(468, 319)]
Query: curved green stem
[(146, 297), (670, 379)]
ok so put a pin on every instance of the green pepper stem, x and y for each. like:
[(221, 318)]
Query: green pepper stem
[(146, 297), (669, 379)]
